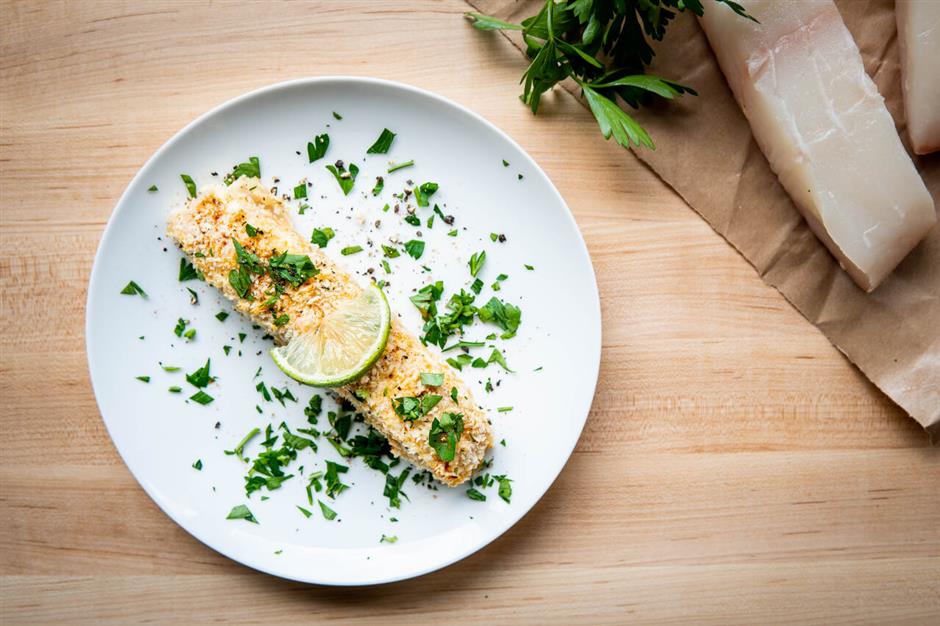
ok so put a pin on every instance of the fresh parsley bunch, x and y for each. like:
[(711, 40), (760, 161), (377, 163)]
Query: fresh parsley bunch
[(604, 46)]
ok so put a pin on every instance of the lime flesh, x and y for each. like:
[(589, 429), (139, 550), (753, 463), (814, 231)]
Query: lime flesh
[(343, 347)]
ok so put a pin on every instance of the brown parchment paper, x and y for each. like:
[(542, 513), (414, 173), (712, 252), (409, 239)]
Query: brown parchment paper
[(705, 151)]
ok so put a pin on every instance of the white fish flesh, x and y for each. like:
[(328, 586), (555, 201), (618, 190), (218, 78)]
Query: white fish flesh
[(919, 39), (824, 128)]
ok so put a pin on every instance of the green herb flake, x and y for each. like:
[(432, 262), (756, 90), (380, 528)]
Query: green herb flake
[(242, 512), (473, 494), (452, 233), (383, 143), (143, 379), (328, 513), (175, 389), (345, 178), (133, 289), (226, 349), (337, 116), (505, 485), (152, 188), (322, 236), (388, 539), (198, 465), (348, 250), (201, 397), (190, 185), (300, 191), (528, 267), (201, 377), (444, 434), (505, 163), (193, 296), (504, 409), (221, 316), (424, 192), (386, 266), (317, 148), (394, 167), (431, 379), (379, 185), (506, 316), (415, 248), (306, 513), (250, 168), (476, 262)]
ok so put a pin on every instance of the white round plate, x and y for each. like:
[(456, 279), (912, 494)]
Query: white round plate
[(160, 434)]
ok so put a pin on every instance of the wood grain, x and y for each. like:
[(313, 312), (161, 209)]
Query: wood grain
[(734, 468)]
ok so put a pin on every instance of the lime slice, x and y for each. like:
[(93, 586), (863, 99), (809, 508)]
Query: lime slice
[(345, 344)]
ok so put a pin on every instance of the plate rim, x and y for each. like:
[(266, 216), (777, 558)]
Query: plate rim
[(268, 90)]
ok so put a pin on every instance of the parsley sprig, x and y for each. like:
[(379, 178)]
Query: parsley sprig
[(604, 47)]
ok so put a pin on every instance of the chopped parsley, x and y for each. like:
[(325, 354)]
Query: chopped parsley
[(242, 512), (328, 513), (201, 397), (152, 188), (187, 271), (193, 296), (379, 185), (388, 539), (190, 185), (505, 163), (504, 315), (221, 316), (348, 250), (306, 513), (198, 465), (300, 191), (390, 252), (394, 167), (505, 485), (410, 408), (133, 289), (431, 379), (476, 262), (415, 248), (337, 116), (424, 192), (180, 327), (251, 230), (504, 409), (393, 486), (473, 494), (444, 434), (316, 149), (143, 379), (345, 178), (414, 220), (334, 486), (200, 378), (175, 389), (282, 319), (322, 236), (528, 267), (251, 169), (383, 143)]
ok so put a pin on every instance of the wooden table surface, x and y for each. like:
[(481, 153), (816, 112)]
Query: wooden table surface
[(734, 467)]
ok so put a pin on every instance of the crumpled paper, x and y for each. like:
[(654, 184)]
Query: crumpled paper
[(705, 151)]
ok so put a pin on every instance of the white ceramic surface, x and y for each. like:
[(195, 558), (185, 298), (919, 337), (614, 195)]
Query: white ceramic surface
[(160, 435)]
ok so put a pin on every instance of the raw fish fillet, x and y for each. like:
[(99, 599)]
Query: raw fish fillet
[(825, 130), (919, 38)]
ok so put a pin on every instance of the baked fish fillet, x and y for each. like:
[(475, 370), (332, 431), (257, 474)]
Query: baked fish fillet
[(919, 39), (205, 228), (824, 128)]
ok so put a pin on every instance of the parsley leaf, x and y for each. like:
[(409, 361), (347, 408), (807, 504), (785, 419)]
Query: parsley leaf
[(201, 397), (506, 316), (474, 494), (242, 512), (133, 289), (251, 169), (505, 484), (300, 191), (187, 271), (393, 486), (190, 185), (350, 250), (346, 179), (200, 378), (334, 486), (411, 408), (328, 513), (322, 237), (431, 379), (383, 143), (444, 434), (415, 248), (424, 192), (317, 148), (476, 262)]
